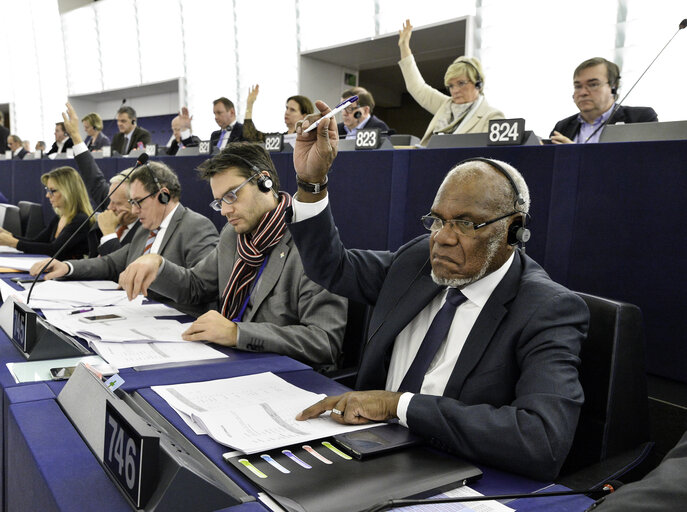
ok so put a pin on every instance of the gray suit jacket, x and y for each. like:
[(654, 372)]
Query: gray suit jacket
[(188, 238), (287, 313), (514, 396)]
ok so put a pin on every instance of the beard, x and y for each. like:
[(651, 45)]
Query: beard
[(460, 282)]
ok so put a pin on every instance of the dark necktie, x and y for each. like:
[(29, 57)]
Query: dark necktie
[(120, 231), (436, 334), (150, 241)]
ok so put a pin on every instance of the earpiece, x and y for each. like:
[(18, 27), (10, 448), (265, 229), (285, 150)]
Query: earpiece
[(358, 114), (518, 233), (264, 182), (478, 82), (163, 196)]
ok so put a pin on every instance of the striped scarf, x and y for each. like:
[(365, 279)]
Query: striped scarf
[(252, 250)]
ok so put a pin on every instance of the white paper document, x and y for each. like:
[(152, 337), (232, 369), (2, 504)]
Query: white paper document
[(252, 413), (126, 355), (19, 262), (68, 295), (459, 492)]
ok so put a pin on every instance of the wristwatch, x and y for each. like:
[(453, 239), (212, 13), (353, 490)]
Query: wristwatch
[(313, 188)]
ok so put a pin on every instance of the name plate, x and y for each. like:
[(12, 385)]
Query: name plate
[(368, 138), (130, 457), (274, 142), (506, 132), (23, 327), (151, 149), (204, 147), (107, 151)]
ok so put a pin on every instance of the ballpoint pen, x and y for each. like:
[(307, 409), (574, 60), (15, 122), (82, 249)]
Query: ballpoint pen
[(336, 110), (84, 310)]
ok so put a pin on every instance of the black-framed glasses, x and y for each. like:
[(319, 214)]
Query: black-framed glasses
[(137, 202), (460, 226), (459, 84), (50, 191), (350, 110), (230, 197), (590, 86)]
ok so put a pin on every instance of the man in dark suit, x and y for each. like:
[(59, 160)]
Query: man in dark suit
[(15, 145), (358, 115), (498, 383), (225, 117), (179, 234), (181, 130), (596, 82), (116, 224), (62, 140), (4, 133), (130, 136)]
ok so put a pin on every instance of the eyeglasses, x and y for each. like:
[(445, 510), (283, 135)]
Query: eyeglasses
[(350, 110), (230, 197), (137, 202), (50, 191), (590, 86), (459, 226), (459, 84)]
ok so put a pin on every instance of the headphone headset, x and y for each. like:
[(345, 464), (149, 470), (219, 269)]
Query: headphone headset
[(478, 82), (614, 87), (358, 114), (518, 233), (163, 196), (264, 181)]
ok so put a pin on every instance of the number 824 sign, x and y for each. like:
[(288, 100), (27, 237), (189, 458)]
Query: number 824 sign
[(506, 132)]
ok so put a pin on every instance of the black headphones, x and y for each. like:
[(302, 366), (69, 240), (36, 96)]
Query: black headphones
[(264, 182), (518, 233), (478, 82), (163, 196)]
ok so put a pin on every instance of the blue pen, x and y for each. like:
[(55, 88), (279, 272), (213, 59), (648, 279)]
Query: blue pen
[(336, 110), (85, 310)]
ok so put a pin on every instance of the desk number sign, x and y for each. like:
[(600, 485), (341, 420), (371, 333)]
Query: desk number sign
[(274, 142), (368, 138), (130, 457), (23, 327), (506, 132)]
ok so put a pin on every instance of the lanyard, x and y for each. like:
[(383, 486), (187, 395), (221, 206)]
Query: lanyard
[(255, 282)]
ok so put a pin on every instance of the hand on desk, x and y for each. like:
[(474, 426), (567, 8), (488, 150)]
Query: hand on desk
[(6, 238), (214, 327), (315, 152), (108, 221), (356, 407), (559, 138), (56, 269), (138, 276)]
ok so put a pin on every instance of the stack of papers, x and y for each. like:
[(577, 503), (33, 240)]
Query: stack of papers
[(67, 295), (252, 414)]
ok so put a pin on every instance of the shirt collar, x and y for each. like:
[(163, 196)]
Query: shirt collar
[(360, 126), (480, 291), (601, 119), (168, 218)]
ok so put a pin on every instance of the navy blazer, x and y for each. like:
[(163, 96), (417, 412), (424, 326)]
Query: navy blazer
[(373, 122), (570, 126), (236, 135), (138, 135), (69, 143), (514, 397)]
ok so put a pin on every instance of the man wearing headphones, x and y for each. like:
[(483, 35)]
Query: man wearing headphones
[(266, 301), (595, 89), (358, 115), (470, 344), (167, 228), (130, 136)]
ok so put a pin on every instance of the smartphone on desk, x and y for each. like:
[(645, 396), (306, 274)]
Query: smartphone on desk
[(110, 317), (64, 372), (365, 443)]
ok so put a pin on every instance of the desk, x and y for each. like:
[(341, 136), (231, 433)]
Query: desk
[(607, 219)]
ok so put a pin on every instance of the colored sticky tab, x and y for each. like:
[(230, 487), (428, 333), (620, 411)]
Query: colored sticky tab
[(252, 468), (297, 460), (274, 463), (114, 382), (314, 453), (336, 450)]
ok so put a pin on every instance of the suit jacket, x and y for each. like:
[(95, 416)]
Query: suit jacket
[(514, 396), (192, 141), (570, 126), (20, 156), (373, 122), (287, 313), (45, 242), (662, 489), (4, 133), (138, 135), (434, 101), (188, 238), (69, 143), (100, 141), (236, 135)]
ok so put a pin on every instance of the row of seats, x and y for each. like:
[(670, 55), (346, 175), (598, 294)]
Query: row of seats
[(25, 219)]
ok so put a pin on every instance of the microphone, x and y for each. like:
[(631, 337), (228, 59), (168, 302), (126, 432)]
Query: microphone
[(605, 490), (142, 160), (682, 25)]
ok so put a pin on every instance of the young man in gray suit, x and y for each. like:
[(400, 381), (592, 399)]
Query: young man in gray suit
[(266, 301), (471, 344), (167, 228)]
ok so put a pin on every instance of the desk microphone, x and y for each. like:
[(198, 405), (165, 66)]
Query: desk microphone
[(682, 25), (142, 160), (597, 493)]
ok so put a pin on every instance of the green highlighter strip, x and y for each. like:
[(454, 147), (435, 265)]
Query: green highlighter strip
[(336, 450), (252, 468)]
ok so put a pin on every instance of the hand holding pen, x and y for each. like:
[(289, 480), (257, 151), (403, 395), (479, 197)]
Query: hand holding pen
[(331, 114)]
